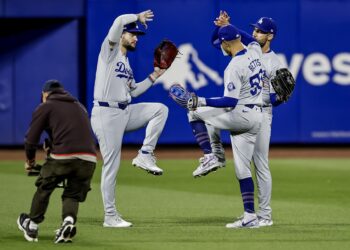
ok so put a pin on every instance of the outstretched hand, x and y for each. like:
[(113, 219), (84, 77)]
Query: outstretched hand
[(31, 168), (156, 73), (145, 16), (29, 165), (223, 19)]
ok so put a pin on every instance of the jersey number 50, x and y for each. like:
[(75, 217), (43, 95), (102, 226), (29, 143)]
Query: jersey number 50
[(255, 83)]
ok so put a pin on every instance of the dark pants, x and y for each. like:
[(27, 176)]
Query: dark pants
[(76, 174)]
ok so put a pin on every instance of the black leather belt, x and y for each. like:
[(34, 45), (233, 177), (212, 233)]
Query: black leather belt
[(119, 104)]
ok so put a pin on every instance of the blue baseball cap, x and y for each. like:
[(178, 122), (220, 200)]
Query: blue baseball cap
[(133, 28), (52, 85), (266, 24), (226, 33)]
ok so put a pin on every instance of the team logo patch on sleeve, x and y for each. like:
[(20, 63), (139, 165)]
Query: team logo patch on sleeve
[(230, 86)]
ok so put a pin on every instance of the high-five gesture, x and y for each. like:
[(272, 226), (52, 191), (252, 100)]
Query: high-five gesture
[(145, 16), (223, 19)]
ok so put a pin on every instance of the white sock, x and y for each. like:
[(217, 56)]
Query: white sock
[(69, 219), (33, 225)]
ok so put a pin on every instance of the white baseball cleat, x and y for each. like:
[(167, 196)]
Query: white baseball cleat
[(147, 162), (249, 220), (208, 163), (221, 160), (116, 221), (265, 222)]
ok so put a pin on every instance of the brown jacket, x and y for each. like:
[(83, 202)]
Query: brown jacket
[(66, 122)]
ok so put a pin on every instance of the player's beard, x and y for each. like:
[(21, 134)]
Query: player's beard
[(129, 47)]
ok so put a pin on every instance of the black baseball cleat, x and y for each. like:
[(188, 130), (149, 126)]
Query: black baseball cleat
[(23, 222), (65, 234)]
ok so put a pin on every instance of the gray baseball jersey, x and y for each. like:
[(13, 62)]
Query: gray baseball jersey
[(114, 76), (242, 77)]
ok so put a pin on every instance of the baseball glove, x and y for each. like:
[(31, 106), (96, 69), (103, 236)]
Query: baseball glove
[(32, 168), (180, 95), (283, 84), (35, 171), (165, 54)]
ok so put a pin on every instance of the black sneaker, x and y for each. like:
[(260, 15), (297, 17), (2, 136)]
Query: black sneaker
[(65, 233), (23, 222)]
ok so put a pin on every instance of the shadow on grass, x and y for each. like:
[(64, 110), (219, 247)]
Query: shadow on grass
[(90, 221), (19, 237), (201, 220)]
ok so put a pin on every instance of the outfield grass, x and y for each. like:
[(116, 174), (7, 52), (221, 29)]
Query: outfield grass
[(311, 200)]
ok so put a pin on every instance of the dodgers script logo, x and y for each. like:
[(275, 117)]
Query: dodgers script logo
[(181, 71), (123, 72)]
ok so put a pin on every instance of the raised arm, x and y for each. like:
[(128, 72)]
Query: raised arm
[(224, 19), (116, 29)]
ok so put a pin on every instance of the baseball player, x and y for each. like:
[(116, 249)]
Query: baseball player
[(112, 113), (264, 32), (239, 111)]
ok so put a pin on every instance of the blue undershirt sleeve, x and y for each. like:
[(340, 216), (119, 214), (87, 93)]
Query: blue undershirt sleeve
[(245, 37), (274, 101), (214, 37), (221, 102)]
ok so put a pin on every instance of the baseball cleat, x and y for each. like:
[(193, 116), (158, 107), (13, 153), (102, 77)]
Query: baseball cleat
[(249, 220), (30, 234), (147, 162), (265, 222), (116, 221), (209, 163), (65, 233), (221, 161), (219, 152)]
